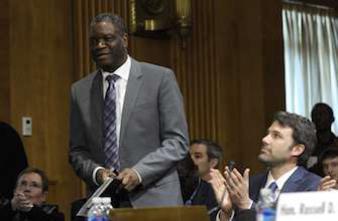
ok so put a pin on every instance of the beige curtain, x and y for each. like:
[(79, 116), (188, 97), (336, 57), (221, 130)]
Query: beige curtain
[(311, 58)]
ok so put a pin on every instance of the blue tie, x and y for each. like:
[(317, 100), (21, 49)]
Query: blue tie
[(109, 122), (273, 186)]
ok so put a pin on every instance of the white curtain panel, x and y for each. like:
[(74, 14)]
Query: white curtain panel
[(311, 58)]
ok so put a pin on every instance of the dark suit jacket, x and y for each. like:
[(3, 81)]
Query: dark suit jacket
[(45, 212), (301, 180), (246, 215), (205, 196), (153, 135)]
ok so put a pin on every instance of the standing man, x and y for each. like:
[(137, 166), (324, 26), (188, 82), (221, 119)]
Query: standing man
[(127, 120)]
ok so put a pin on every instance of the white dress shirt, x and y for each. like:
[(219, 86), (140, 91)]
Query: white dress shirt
[(280, 181)]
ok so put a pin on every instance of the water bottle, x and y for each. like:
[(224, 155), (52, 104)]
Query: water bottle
[(266, 206), (106, 201), (98, 210)]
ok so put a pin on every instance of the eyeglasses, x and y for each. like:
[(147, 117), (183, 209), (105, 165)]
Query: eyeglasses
[(32, 185)]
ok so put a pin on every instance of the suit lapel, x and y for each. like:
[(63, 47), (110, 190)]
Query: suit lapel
[(133, 87), (96, 100), (256, 185), (292, 183)]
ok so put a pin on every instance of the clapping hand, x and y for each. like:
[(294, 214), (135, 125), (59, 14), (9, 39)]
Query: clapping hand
[(21, 202), (217, 182), (327, 183), (238, 187)]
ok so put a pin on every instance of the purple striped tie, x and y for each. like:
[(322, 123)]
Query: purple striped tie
[(109, 122), (273, 186)]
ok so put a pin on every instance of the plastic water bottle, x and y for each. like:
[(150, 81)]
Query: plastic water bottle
[(266, 206), (106, 201), (99, 210)]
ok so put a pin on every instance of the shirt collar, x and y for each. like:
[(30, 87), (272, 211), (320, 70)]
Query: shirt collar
[(123, 71), (281, 180)]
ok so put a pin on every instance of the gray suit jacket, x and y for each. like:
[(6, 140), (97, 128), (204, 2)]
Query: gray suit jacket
[(153, 135)]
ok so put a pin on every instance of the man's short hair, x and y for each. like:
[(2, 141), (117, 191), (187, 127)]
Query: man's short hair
[(41, 173), (329, 153), (214, 151), (116, 20), (303, 132)]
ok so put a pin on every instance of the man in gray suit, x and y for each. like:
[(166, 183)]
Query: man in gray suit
[(150, 125)]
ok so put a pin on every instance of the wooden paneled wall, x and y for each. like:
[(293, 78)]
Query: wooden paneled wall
[(37, 69), (230, 74), (4, 61)]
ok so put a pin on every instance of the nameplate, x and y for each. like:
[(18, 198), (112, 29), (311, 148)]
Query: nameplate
[(309, 206)]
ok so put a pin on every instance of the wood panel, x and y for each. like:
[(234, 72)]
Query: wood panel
[(197, 73), (231, 74), (41, 69), (273, 63), (4, 61)]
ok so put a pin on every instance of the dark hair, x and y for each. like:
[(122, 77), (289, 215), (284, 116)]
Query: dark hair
[(214, 151), (329, 153), (116, 20), (304, 132), (41, 173)]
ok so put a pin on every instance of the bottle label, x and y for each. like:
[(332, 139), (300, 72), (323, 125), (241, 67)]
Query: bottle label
[(266, 214), (98, 218)]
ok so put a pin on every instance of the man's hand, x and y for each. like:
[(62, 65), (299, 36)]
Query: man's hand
[(129, 179), (327, 183), (238, 187), (21, 203), (103, 174), (217, 183)]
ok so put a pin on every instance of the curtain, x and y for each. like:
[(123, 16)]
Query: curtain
[(311, 58)]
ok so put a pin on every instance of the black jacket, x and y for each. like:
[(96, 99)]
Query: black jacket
[(45, 212)]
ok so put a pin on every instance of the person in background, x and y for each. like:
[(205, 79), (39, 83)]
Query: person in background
[(206, 154), (12, 159), (323, 117), (29, 200), (196, 191), (329, 162)]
